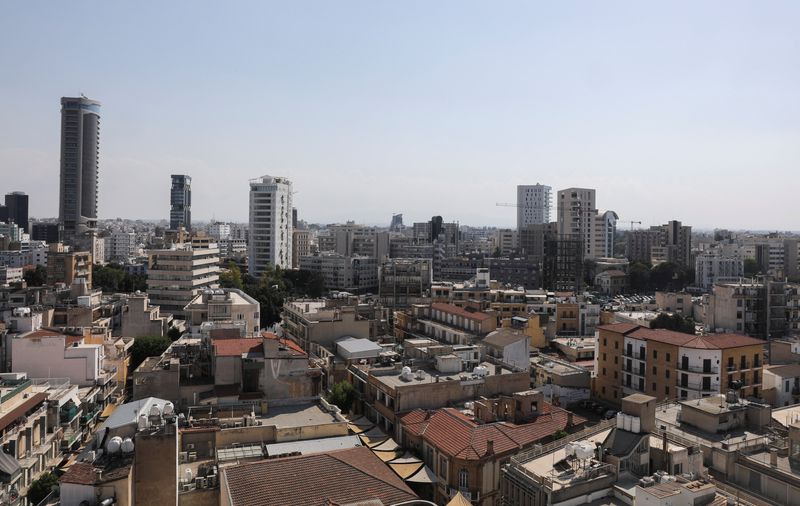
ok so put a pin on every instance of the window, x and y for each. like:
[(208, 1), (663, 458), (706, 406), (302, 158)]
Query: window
[(463, 479), (443, 468), (615, 359), (604, 371), (655, 353), (655, 370), (604, 357), (654, 386), (605, 341), (666, 374), (666, 391), (667, 357), (616, 345), (615, 375)]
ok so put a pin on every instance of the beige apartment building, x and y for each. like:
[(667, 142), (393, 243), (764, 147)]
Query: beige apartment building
[(672, 365), (218, 305)]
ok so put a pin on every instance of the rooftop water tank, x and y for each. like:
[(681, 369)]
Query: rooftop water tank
[(114, 444), (127, 445), (169, 409)]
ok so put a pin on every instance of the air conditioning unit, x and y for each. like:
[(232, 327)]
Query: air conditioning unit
[(190, 446), (183, 457)]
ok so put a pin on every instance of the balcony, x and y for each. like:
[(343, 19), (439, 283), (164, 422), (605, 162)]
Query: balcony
[(698, 369), (697, 387), (636, 356), (743, 366)]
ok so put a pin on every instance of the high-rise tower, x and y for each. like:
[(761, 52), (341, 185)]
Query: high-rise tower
[(533, 205), (180, 201), (80, 153), (270, 239), (17, 205)]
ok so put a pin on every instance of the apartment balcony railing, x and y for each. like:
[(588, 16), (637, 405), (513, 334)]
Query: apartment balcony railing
[(698, 369), (636, 356), (697, 387)]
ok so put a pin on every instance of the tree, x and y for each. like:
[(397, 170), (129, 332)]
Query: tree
[(751, 267), (148, 346), (113, 278), (342, 395), (41, 487), (639, 277), (275, 285), (674, 322), (173, 333), (231, 277), (36, 277)]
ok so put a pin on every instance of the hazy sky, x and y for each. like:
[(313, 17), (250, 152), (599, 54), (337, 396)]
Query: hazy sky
[(685, 110)]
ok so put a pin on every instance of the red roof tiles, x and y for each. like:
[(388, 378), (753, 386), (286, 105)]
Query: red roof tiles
[(456, 435), (705, 342), (236, 347), (339, 477), (288, 343)]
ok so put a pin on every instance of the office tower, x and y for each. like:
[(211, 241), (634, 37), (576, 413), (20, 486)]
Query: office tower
[(180, 200), (671, 242), (47, 232), (533, 205), (17, 206), (80, 138), (270, 236)]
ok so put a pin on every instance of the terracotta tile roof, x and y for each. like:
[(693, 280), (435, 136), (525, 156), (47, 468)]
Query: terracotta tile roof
[(456, 435), (43, 333), (288, 343), (235, 347), (706, 342), (455, 310), (83, 473), (621, 328), (340, 477)]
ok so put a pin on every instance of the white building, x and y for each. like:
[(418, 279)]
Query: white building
[(219, 231), (10, 275), (714, 267), (120, 246), (47, 354), (533, 205), (176, 276), (270, 241)]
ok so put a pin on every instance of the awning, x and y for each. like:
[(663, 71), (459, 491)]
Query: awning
[(108, 410), (386, 456), (359, 425), (375, 433), (407, 459), (9, 465), (75, 399), (459, 500), (371, 441), (388, 445), (424, 475), (405, 470)]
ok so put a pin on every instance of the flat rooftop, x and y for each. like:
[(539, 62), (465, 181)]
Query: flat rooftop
[(391, 377), (297, 416), (545, 464)]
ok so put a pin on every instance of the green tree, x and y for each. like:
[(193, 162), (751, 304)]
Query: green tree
[(559, 434), (173, 333), (36, 277), (41, 487), (751, 267), (674, 322), (113, 278), (275, 285), (342, 395), (639, 277), (231, 277), (148, 346)]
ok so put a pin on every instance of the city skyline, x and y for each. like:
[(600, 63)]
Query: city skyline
[(677, 126)]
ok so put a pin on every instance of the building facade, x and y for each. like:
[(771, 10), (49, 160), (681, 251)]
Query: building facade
[(80, 153), (180, 202), (533, 205), (270, 241), (175, 276)]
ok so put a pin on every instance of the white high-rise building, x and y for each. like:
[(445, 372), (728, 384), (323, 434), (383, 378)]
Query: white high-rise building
[(533, 205), (270, 233)]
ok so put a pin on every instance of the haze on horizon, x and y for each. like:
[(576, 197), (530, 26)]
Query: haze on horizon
[(685, 110)]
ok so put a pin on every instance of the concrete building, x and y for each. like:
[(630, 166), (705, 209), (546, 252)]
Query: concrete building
[(9, 275), (176, 276), (508, 346), (17, 208), (120, 246), (782, 384), (180, 202), (562, 269), (318, 322), (43, 353), (671, 242), (301, 246), (611, 282), (80, 153), (48, 232), (757, 308), (352, 274), (507, 241), (224, 305), (533, 205), (672, 365), (579, 219), (560, 381), (445, 323), (714, 267), (672, 302), (219, 231), (66, 267), (270, 241), (404, 281), (140, 319)]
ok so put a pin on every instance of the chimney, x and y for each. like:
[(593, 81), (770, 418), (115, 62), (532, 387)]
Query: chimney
[(773, 457), (490, 447), (570, 420)]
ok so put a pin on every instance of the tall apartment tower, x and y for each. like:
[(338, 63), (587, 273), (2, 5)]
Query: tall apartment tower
[(270, 238), (80, 153), (576, 216), (17, 206), (180, 202), (533, 205)]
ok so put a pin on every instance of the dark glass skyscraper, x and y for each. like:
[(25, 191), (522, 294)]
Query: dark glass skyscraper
[(180, 200), (17, 205), (80, 153)]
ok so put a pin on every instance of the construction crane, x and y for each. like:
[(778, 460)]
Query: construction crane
[(635, 222), (508, 204)]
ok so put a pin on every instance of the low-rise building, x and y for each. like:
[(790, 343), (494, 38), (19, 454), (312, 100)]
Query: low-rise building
[(322, 322), (224, 305), (511, 347), (352, 274), (175, 276), (140, 319), (611, 282)]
